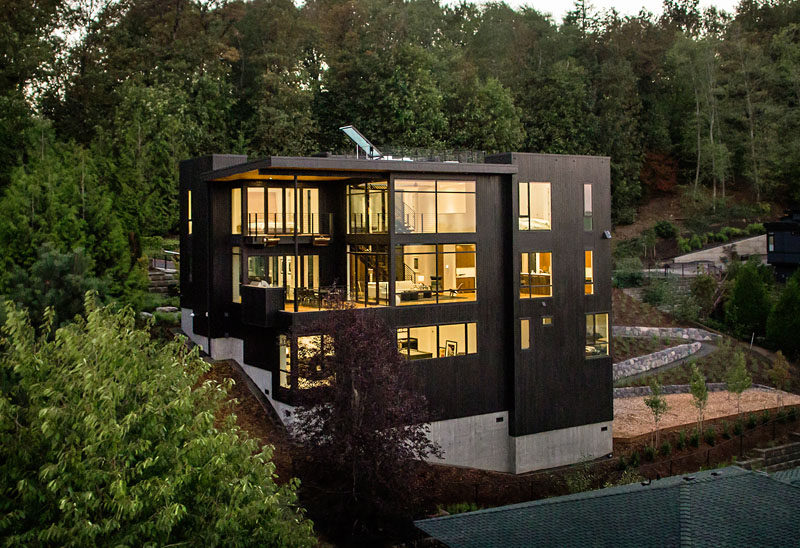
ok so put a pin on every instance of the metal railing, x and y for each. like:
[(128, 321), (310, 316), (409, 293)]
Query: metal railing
[(374, 223), (274, 224)]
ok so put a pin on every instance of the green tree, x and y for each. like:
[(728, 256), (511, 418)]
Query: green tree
[(780, 376), (109, 438), (748, 306), (657, 405), (738, 379), (699, 390), (783, 323)]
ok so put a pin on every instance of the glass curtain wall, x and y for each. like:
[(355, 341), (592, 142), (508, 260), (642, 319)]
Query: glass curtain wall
[(271, 210), (368, 204), (368, 274), (429, 206), (426, 274)]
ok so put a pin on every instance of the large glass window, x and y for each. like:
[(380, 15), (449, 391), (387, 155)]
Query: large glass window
[(587, 207), (596, 335), (427, 206), (280, 271), (437, 341), (534, 206), (256, 221), (236, 211), (312, 352), (588, 276), (536, 275), (368, 274), (426, 274), (368, 203)]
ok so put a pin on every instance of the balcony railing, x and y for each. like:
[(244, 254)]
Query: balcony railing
[(280, 224), (374, 223)]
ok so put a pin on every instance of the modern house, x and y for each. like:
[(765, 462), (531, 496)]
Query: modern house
[(783, 244), (496, 277)]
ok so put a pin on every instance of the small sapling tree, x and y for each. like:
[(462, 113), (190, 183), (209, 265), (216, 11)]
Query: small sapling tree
[(657, 405), (780, 376), (699, 390), (362, 424), (738, 379)]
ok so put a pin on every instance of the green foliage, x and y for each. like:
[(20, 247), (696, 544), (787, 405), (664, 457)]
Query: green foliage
[(665, 229), (629, 475), (791, 414), (738, 427), (704, 289), (657, 404), (459, 508), (738, 379), (695, 242), (748, 306), (110, 438), (634, 460), (628, 273), (649, 453), (765, 416), (666, 449), (752, 421), (710, 435), (682, 440), (725, 430), (684, 245), (754, 229), (694, 438), (783, 322), (580, 478), (699, 390)]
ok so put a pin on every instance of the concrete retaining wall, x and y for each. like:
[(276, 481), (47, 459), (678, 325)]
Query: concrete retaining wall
[(685, 333), (640, 364)]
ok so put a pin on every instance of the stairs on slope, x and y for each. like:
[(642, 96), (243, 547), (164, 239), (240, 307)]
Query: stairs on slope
[(160, 281), (774, 459)]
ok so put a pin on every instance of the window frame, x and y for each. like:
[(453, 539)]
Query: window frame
[(595, 335), (529, 206), (529, 286), (588, 282), (588, 207), (435, 192), (438, 250), (441, 345)]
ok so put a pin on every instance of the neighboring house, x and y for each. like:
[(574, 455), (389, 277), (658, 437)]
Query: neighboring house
[(783, 244), (496, 277), (725, 507)]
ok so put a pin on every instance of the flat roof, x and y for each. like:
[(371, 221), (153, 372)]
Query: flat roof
[(329, 167)]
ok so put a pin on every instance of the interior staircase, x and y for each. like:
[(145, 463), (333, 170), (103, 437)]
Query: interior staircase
[(774, 459)]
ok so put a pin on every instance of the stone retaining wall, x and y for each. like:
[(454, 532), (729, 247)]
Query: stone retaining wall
[(640, 364), (638, 391), (685, 333)]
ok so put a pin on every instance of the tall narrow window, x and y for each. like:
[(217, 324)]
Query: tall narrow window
[(256, 222), (284, 361), (588, 277), (236, 211), (524, 333), (536, 275), (236, 274), (587, 207), (367, 208), (770, 241), (596, 335), (534, 206), (189, 215)]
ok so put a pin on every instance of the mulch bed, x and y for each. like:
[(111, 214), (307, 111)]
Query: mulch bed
[(629, 311)]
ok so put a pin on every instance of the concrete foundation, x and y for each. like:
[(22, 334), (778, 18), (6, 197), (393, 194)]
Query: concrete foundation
[(479, 441)]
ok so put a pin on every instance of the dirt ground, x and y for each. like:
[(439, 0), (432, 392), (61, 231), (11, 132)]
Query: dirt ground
[(632, 417)]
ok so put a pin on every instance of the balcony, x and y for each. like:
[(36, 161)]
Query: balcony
[(268, 228)]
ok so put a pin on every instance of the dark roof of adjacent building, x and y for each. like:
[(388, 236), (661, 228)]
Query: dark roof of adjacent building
[(726, 507)]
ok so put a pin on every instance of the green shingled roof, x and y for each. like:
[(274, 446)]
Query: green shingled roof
[(726, 507)]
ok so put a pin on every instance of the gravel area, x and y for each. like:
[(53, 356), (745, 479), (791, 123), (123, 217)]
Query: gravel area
[(633, 418)]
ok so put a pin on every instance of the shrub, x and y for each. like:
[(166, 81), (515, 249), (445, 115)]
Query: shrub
[(694, 438), (459, 508), (703, 289), (649, 453), (628, 272), (738, 427), (726, 434), (665, 229), (683, 245), (657, 292), (710, 435), (695, 242), (783, 322), (765, 416), (634, 460), (681, 444), (665, 449), (754, 229), (752, 421), (748, 306), (791, 414), (781, 416), (721, 237), (580, 479)]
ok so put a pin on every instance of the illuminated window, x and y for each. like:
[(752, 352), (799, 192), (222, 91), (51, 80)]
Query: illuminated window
[(536, 275), (534, 206), (771, 242), (587, 207), (596, 335), (368, 203), (428, 206), (588, 277), (236, 211), (525, 333), (428, 274), (189, 215), (236, 275), (547, 320), (437, 341), (256, 221)]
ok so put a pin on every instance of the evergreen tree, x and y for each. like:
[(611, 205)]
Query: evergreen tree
[(699, 391), (748, 306), (783, 323), (737, 378)]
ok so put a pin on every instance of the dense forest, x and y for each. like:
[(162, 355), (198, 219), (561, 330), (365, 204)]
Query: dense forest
[(100, 100)]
